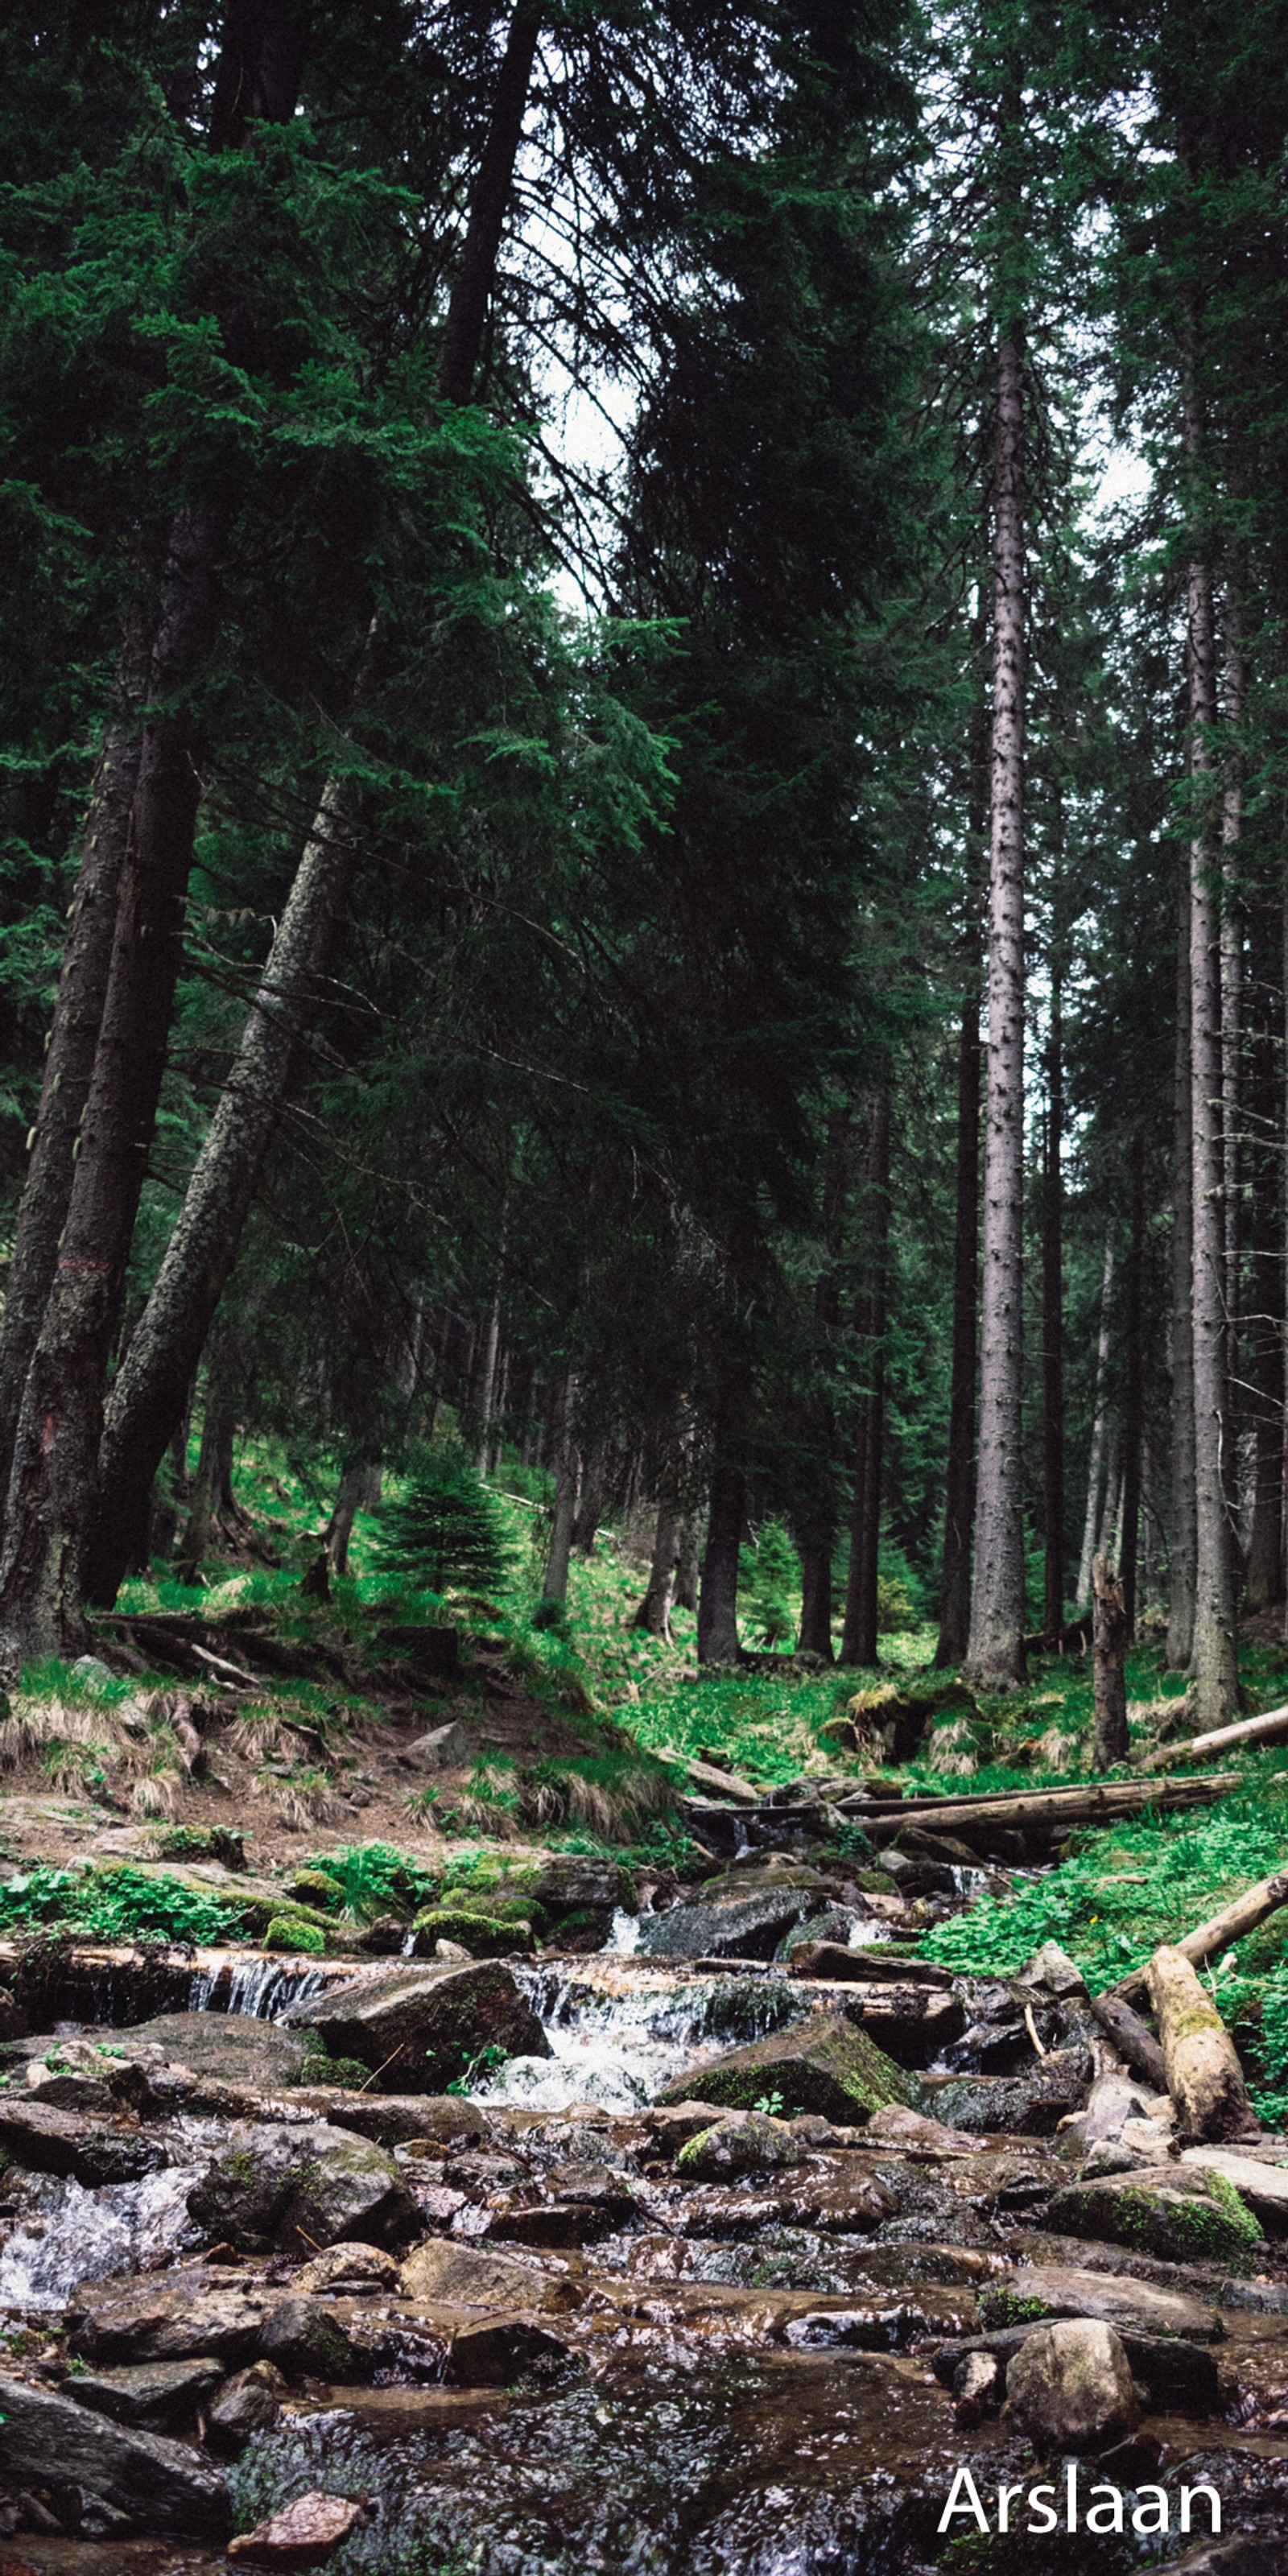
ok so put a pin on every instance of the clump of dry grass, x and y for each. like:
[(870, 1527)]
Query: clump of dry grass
[(610, 1794)]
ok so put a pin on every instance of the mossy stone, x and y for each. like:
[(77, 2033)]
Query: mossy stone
[(824, 2064), (483, 1935), (316, 1887), (291, 1932)]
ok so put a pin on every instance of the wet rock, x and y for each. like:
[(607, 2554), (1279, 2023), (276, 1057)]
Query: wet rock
[(743, 2142), (421, 2027), (154, 2394), (442, 2270), (913, 2024), (1044, 2290), (1053, 1968), (304, 2534), (233, 2048), (823, 2064), (1018, 2106), (1263, 2185), (70, 2092), (347, 2267), (166, 2319), (92, 2151), (154, 2484), (1115, 2100), (249, 2402), (306, 2339), (1071, 2385), (1244, 2553), (301, 2187), (1170, 2212), (398, 2119), (672, 2126), (742, 1927), (503, 2350), (895, 2125), (978, 2387)]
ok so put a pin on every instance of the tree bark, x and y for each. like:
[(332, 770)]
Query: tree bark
[(590, 1502), (1109, 1633), (567, 1471), (200, 1256), (359, 1492), (468, 305), (1053, 1313), (1184, 1553), (1233, 1923), (859, 1637), (995, 1654), (73, 1037), (959, 1498), (1204, 2076), (1095, 1465), (718, 1641), (1134, 1400), (687, 1553), (214, 1462), (1264, 1579), (1232, 999), (1216, 1680)]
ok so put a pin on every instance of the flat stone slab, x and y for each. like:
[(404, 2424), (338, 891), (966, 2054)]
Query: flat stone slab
[(161, 2485), (1113, 2298), (748, 1927), (1262, 2184), (234, 2048)]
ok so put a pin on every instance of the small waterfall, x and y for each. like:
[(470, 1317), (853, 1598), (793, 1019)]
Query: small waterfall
[(79, 2235), (624, 1938), (263, 1989), (621, 2032)]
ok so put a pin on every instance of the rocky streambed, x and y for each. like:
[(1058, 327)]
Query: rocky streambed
[(745, 2247)]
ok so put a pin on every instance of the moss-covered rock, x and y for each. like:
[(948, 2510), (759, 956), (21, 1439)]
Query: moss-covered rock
[(315, 1887), (823, 2064), (1182, 2216), (485, 1936), (292, 1932), (422, 2027)]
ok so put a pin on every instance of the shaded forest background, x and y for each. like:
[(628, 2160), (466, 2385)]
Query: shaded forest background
[(643, 796)]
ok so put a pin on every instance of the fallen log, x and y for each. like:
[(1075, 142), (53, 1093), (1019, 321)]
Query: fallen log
[(1131, 2039), (1272, 1723), (724, 1784), (1204, 2076), (1098, 1802), (1241, 1916)]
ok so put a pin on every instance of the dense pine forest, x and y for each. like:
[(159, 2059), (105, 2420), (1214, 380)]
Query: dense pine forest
[(643, 1286)]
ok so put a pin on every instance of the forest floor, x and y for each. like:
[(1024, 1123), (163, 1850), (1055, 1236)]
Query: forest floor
[(263, 1736)]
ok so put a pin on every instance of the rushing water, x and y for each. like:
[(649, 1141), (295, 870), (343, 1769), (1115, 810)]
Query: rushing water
[(264, 1989), (622, 2031), (78, 2235)]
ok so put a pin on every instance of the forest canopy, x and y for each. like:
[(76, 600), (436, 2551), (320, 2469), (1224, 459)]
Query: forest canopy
[(643, 778)]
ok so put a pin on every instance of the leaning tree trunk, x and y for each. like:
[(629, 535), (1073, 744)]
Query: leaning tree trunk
[(959, 1481), (1216, 1679), (859, 1639), (1095, 1464), (1109, 1634), (1204, 2076), (1180, 1617), (995, 1654), (73, 1037), (168, 1340), (359, 1491)]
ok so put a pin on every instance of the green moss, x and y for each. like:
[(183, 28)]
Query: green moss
[(483, 1935), (999, 2306), (316, 1887), (292, 1932)]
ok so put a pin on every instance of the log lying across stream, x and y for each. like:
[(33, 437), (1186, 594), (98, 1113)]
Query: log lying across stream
[(1093, 1802)]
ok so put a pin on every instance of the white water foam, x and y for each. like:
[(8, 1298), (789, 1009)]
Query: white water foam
[(81, 2235)]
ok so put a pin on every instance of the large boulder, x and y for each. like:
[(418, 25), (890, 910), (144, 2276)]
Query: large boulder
[(93, 2151), (87, 2462), (422, 2028), (1031, 2105), (741, 1927), (1047, 2290), (1179, 2213), (166, 2318), (443, 2272), (743, 2142), (823, 2064), (230, 2048), (1070, 2385), (153, 2394), (300, 2188)]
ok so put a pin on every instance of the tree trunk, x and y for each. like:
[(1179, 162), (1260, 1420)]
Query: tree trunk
[(859, 1638), (487, 1383), (590, 1504), (73, 1037), (959, 1498), (467, 308), (1053, 1317), (567, 1471), (1096, 1462), (359, 1492), (1216, 1680), (200, 1256), (816, 1533), (1204, 2076), (1109, 1633), (718, 1641), (687, 1552), (1180, 1619), (654, 1612), (1232, 1032), (995, 1654), (1264, 1576), (214, 1463), (1134, 1402)]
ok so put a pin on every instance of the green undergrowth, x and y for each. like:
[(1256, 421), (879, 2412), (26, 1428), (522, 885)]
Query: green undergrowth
[(119, 1905)]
